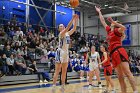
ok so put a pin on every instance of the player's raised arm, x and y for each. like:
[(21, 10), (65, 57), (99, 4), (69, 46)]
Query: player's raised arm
[(98, 9), (68, 26)]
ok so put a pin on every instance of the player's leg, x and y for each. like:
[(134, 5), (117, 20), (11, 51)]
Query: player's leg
[(97, 73), (57, 71), (64, 71), (120, 75), (91, 74), (127, 72)]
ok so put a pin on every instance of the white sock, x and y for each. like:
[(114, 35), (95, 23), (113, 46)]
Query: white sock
[(53, 85), (135, 91)]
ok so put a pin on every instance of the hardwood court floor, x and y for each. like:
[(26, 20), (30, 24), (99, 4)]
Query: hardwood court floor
[(75, 86)]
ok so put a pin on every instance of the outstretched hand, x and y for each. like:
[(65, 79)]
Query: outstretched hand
[(98, 9), (110, 19)]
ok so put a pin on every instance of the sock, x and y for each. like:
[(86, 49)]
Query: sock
[(135, 91), (53, 85)]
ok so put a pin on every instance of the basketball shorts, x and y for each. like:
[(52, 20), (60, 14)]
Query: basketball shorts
[(93, 66), (118, 56), (61, 56)]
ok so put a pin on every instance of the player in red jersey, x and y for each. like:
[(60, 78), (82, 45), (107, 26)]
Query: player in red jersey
[(118, 54), (107, 68)]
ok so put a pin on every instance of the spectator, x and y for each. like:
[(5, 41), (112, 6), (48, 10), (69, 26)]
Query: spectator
[(20, 64), (21, 51), (2, 33), (33, 67), (20, 31), (3, 65), (13, 20), (7, 27), (11, 32), (16, 47), (42, 32), (26, 53), (11, 65), (30, 30), (34, 70), (7, 51), (51, 53)]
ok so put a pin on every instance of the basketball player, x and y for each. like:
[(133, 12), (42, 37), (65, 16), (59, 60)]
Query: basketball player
[(118, 54), (107, 68), (62, 53), (93, 58)]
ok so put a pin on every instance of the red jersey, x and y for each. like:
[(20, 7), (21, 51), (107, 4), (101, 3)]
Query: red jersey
[(113, 38), (108, 61)]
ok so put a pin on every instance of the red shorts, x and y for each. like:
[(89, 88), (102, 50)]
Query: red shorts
[(108, 71), (120, 55)]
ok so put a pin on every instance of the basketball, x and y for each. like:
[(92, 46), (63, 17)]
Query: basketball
[(74, 3)]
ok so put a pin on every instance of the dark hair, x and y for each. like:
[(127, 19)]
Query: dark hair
[(105, 46)]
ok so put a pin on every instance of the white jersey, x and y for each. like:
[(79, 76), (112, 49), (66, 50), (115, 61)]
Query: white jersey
[(62, 54), (93, 58), (64, 42)]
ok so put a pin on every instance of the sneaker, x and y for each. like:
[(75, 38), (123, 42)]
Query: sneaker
[(135, 91), (90, 87), (2, 75), (53, 88), (100, 85), (113, 91), (62, 89), (40, 81), (105, 91), (45, 81), (82, 78)]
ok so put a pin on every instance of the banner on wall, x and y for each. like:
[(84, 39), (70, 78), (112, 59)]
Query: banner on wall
[(127, 40)]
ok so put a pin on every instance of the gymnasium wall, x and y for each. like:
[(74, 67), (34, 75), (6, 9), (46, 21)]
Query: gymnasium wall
[(12, 8), (135, 33), (91, 22), (47, 15), (8, 9), (63, 18)]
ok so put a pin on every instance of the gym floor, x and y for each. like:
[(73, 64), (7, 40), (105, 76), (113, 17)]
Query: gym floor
[(75, 86)]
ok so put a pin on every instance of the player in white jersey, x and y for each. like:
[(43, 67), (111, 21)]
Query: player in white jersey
[(93, 58), (62, 53)]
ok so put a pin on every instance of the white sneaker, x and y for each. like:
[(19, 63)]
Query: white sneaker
[(40, 81), (100, 85), (105, 91), (113, 91), (45, 81), (62, 89), (135, 91), (90, 87), (82, 78), (53, 88)]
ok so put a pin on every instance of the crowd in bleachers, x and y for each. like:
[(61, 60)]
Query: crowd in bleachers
[(21, 45)]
